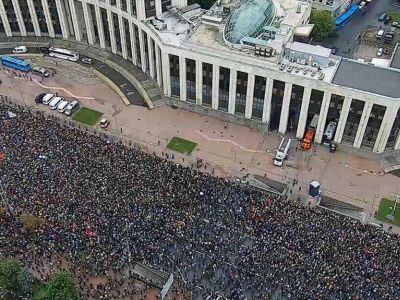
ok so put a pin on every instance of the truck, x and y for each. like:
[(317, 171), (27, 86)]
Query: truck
[(282, 151), (309, 136)]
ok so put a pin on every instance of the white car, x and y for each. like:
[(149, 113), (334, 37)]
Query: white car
[(362, 4), (380, 52), (20, 49), (104, 123)]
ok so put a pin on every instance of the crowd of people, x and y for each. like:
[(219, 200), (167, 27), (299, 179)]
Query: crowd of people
[(105, 205)]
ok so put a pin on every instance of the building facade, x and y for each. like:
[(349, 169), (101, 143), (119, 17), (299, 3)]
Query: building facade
[(204, 59)]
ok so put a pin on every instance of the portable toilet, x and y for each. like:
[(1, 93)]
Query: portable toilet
[(314, 188)]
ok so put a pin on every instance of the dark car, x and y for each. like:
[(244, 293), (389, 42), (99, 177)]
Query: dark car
[(387, 20), (334, 50), (43, 49), (39, 98), (382, 17)]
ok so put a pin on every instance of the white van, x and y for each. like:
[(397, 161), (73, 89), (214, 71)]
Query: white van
[(20, 49), (72, 107), (55, 102), (62, 106), (379, 34), (47, 98), (282, 151)]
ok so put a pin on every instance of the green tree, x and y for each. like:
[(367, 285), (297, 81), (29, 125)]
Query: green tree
[(63, 287), (324, 24), (10, 274), (31, 223)]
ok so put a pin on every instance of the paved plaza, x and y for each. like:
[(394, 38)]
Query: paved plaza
[(227, 149)]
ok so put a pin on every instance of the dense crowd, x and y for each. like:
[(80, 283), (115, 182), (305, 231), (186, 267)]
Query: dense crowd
[(106, 206)]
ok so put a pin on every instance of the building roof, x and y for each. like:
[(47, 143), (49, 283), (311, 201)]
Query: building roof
[(369, 78), (311, 49), (395, 63)]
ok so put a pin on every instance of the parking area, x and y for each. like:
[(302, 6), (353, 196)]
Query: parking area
[(373, 45)]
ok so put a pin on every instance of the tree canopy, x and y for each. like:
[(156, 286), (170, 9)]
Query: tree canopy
[(324, 24), (63, 287), (10, 274)]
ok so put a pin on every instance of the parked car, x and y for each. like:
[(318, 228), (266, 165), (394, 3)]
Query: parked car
[(382, 17), (362, 4), (387, 19), (74, 105), (62, 107), (334, 50), (43, 49), (39, 98), (47, 98), (40, 71), (380, 52), (87, 60), (20, 49), (104, 123)]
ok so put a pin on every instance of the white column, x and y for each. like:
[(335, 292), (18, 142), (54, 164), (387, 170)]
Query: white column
[(88, 23), (385, 129), (199, 82), (167, 74), (63, 19), (158, 7), (158, 66), (344, 113), (100, 27), (75, 22), (323, 113), (305, 102), (215, 87), (140, 10), (363, 124), (4, 19), (34, 18), (20, 19), (123, 36), (133, 42), (47, 15), (151, 58), (142, 54), (249, 95), (182, 77), (287, 95), (266, 116), (111, 30), (232, 91)]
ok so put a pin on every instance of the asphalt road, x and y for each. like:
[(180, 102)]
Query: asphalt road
[(124, 84), (346, 41)]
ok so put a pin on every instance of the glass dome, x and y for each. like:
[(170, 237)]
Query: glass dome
[(249, 19)]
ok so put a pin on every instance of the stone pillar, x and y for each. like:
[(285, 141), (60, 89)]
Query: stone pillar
[(182, 78), (385, 129), (111, 30), (88, 23), (142, 54), (151, 58), (215, 87), (397, 145), (158, 7), (34, 18), (4, 20), (249, 95), (47, 15), (140, 10), (63, 19), (199, 82), (287, 95), (232, 91), (75, 22), (167, 74), (342, 119), (158, 67), (323, 113), (269, 85), (133, 42), (100, 27), (20, 19), (305, 102), (363, 124), (122, 33)]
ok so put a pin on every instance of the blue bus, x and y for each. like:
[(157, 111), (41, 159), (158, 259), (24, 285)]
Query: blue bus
[(343, 19), (15, 63)]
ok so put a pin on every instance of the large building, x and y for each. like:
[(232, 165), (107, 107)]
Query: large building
[(236, 61)]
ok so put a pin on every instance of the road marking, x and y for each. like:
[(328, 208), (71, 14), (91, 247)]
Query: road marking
[(60, 88)]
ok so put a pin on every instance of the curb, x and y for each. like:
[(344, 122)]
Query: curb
[(113, 86)]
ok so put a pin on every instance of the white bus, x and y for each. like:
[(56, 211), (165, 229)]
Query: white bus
[(64, 53)]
